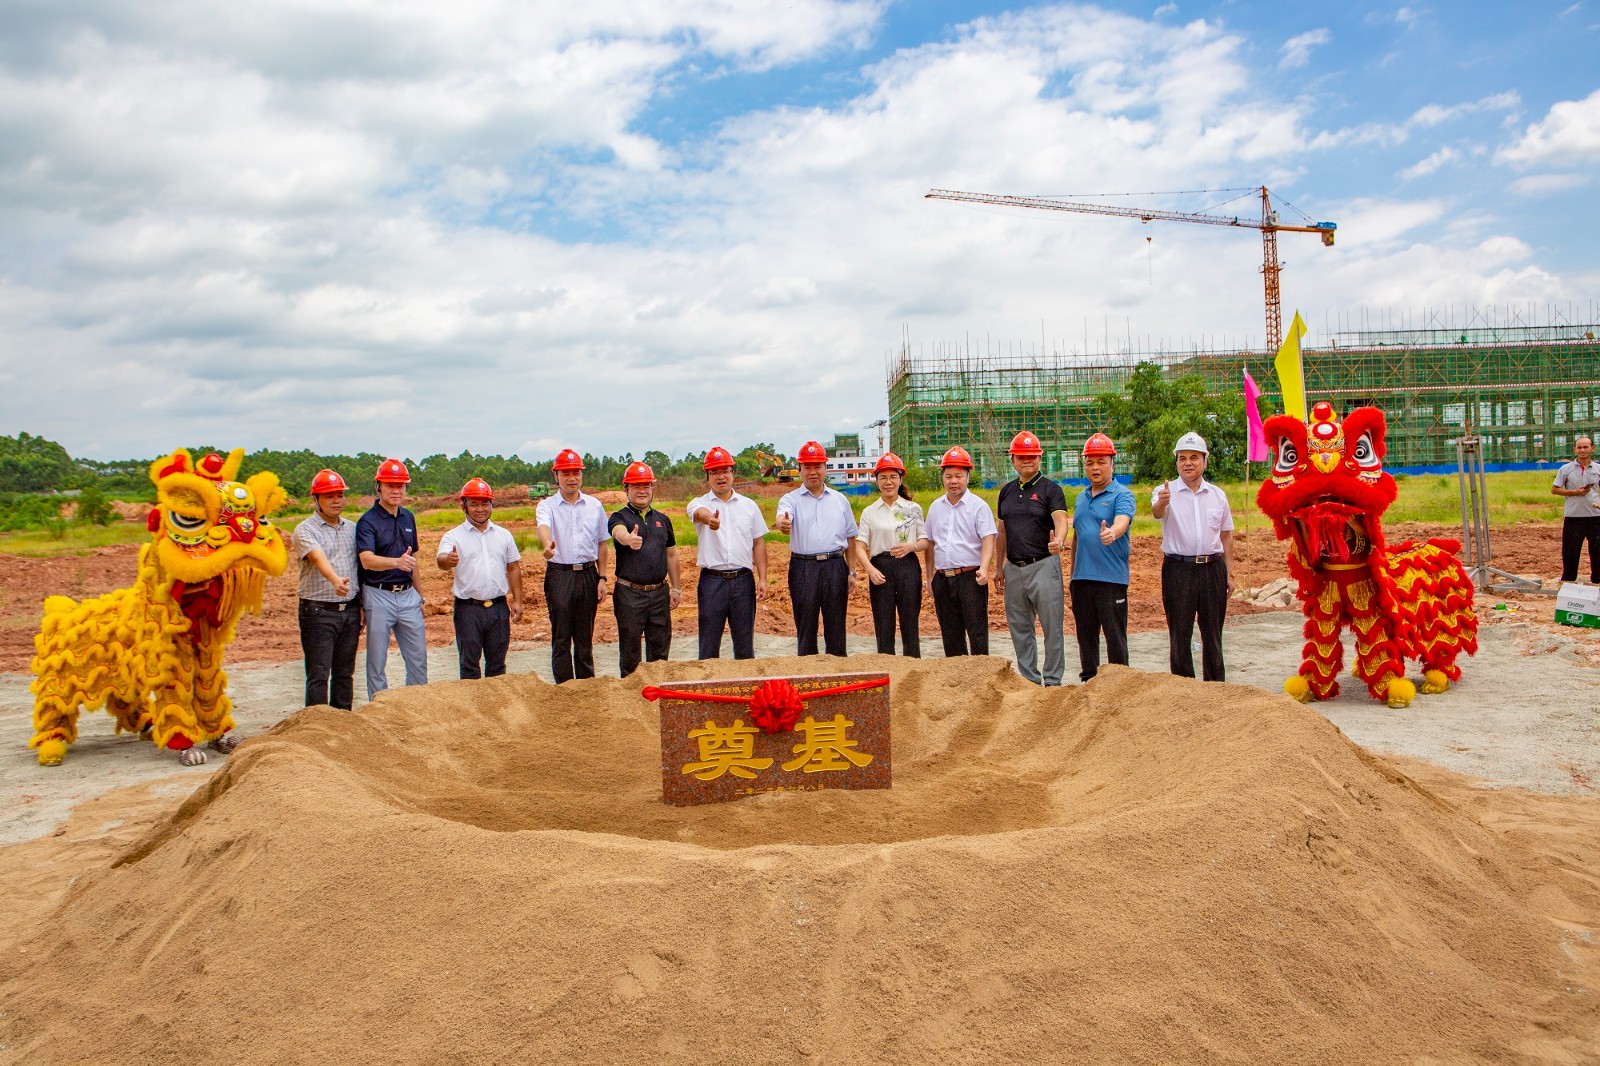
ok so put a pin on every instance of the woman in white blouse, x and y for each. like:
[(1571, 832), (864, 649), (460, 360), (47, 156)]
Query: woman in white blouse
[(888, 541)]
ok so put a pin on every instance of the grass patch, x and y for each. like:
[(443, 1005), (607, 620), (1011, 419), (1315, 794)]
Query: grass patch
[(77, 540)]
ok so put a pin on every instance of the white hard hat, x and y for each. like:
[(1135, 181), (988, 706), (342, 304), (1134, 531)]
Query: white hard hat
[(1191, 442)]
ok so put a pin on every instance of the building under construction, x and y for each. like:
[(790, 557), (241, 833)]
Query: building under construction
[(1527, 391)]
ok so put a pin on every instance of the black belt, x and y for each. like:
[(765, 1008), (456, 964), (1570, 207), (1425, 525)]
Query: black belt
[(1029, 561), (1199, 559), (482, 603), (957, 572), (724, 573), (574, 566), (397, 587), (329, 605), (818, 558), (642, 588)]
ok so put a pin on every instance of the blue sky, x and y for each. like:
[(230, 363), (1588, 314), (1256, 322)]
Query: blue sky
[(413, 228)]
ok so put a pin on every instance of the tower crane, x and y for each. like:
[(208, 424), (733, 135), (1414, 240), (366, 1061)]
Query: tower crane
[(1268, 224), (878, 425)]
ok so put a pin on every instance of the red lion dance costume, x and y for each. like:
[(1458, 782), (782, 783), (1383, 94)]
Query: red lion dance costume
[(1326, 496)]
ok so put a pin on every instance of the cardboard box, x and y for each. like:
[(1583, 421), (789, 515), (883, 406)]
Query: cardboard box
[(1578, 605)]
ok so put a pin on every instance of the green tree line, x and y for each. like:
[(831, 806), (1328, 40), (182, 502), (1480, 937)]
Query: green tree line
[(30, 464)]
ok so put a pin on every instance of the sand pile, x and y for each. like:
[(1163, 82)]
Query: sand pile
[(1145, 869)]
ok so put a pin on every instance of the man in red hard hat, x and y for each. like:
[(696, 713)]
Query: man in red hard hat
[(1033, 530), (821, 527), (646, 572), (962, 531), (732, 558), (572, 528), (487, 585), (330, 595), (1100, 519), (386, 545)]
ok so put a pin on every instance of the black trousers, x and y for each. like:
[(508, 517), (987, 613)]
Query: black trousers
[(642, 615), (482, 636), (1575, 532), (572, 597), (328, 637), (730, 602), (819, 588), (962, 607), (900, 596), (1098, 605), (1190, 591)]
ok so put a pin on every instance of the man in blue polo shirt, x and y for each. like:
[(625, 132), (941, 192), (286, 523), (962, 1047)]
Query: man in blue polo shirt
[(386, 547), (1100, 520), (821, 528)]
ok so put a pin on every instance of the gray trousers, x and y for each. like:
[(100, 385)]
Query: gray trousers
[(1035, 591), (400, 612)]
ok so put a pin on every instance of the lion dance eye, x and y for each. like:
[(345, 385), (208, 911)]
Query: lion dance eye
[(1288, 457), (185, 523), (1364, 454)]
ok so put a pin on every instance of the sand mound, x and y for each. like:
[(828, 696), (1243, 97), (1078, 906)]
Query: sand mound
[(1145, 869)]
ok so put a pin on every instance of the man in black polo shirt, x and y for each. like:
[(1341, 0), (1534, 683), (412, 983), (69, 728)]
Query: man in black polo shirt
[(646, 572), (386, 546), (1033, 528)]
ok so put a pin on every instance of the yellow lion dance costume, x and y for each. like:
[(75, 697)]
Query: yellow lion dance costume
[(1326, 496), (152, 654)]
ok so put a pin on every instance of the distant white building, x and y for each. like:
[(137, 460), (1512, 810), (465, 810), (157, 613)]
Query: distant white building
[(846, 464)]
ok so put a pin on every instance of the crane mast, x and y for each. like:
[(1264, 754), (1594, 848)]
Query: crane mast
[(1268, 224)]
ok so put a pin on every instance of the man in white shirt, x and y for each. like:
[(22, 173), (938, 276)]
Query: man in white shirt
[(1579, 482), (1197, 571), (963, 532), (572, 528), (487, 584), (732, 556), (821, 529)]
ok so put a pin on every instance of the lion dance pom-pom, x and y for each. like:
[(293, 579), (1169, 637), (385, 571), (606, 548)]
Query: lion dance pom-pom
[(1326, 496), (151, 655)]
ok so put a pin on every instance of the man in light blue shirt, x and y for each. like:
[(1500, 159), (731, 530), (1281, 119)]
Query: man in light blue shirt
[(1100, 549), (822, 539)]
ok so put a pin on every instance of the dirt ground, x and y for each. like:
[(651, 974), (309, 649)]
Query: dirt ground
[(274, 634)]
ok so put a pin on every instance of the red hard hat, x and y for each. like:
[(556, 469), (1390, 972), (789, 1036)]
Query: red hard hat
[(956, 456), (812, 452), (639, 474), (717, 459), (393, 472), (477, 489), (326, 481), (888, 461), (1026, 444), (1099, 444), (567, 459)]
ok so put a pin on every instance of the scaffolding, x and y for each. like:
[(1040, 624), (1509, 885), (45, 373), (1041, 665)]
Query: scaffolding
[(1525, 391)]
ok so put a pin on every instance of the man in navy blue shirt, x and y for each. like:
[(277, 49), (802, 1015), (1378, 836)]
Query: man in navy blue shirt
[(1100, 549), (386, 546)]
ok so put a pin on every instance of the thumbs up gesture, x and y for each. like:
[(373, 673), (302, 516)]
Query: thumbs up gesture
[(451, 560), (407, 562), (1106, 536), (629, 538), (550, 551), (1164, 493), (1054, 546), (785, 523)]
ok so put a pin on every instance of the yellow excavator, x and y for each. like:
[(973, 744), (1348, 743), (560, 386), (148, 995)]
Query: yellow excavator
[(776, 466)]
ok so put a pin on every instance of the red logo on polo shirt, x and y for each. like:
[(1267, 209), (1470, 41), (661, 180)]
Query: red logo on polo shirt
[(658, 523), (1035, 496)]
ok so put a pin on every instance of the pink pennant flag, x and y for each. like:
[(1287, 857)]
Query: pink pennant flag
[(1258, 451)]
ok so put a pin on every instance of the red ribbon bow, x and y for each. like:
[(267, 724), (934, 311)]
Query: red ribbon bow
[(775, 705)]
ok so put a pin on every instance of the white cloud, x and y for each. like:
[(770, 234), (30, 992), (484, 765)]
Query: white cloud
[(1426, 166), (1548, 184), (1297, 49), (1568, 134), (1438, 114)]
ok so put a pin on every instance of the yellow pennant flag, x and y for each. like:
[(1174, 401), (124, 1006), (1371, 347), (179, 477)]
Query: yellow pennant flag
[(1291, 370)]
